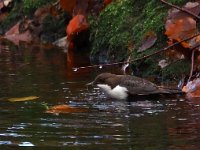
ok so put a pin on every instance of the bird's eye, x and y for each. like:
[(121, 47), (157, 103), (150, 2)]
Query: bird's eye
[(100, 81)]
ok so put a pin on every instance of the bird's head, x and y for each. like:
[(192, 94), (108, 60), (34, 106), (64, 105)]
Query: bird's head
[(102, 78)]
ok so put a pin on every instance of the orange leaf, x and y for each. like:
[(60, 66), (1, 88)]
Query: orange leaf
[(76, 25), (180, 25), (65, 109), (181, 28)]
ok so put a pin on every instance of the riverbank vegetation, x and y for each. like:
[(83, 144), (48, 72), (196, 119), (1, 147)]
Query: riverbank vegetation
[(122, 28), (152, 37)]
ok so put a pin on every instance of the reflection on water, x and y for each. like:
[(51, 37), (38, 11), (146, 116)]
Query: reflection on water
[(168, 123)]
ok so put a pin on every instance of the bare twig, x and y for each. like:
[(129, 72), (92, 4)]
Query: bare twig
[(182, 9), (137, 59)]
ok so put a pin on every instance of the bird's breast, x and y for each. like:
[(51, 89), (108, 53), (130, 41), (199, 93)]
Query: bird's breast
[(118, 92)]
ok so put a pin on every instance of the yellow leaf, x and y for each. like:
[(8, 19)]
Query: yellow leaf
[(21, 99)]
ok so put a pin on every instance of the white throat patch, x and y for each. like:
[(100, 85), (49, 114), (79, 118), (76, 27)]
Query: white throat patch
[(118, 92)]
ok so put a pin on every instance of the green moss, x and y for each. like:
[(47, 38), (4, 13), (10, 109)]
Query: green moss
[(112, 29), (176, 70), (127, 21), (30, 6), (54, 28)]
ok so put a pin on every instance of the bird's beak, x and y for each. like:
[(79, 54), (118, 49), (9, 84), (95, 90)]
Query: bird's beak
[(90, 84)]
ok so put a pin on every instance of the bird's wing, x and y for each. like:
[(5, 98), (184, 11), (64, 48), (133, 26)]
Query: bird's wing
[(136, 85)]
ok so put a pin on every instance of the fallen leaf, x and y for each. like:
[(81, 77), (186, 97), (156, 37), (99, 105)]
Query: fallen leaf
[(163, 63), (41, 13), (180, 25), (21, 99), (65, 109), (148, 41), (180, 29), (76, 25), (16, 36), (193, 7)]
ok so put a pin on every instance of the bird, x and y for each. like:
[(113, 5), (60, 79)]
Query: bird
[(123, 86)]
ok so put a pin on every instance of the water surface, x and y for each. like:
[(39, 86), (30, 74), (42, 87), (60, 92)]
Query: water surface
[(168, 123)]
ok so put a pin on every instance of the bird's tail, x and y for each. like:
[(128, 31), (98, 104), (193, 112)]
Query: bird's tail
[(167, 90)]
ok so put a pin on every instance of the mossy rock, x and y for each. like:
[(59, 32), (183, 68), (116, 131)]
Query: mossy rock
[(21, 9), (29, 6), (126, 22), (54, 28)]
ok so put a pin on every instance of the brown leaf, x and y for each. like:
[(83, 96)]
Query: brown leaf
[(180, 25), (148, 41), (193, 7), (180, 29), (41, 13), (65, 109), (15, 36)]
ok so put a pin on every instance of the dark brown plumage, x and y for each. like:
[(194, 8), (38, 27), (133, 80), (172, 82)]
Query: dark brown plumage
[(131, 85)]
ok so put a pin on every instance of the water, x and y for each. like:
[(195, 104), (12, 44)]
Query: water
[(167, 123)]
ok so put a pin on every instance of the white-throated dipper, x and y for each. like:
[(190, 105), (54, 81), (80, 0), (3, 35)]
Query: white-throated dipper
[(122, 86)]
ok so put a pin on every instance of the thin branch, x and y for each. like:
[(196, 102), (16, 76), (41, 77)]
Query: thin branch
[(182, 9), (137, 59)]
